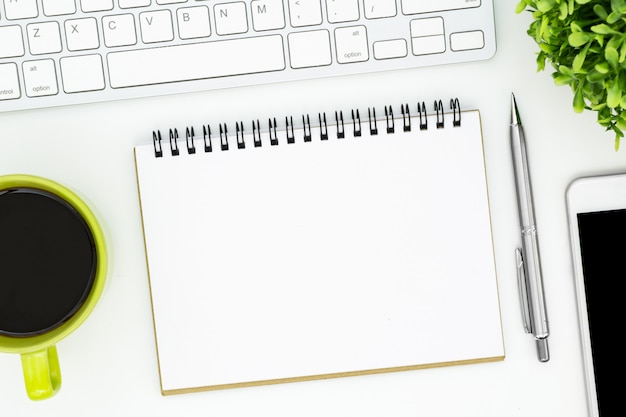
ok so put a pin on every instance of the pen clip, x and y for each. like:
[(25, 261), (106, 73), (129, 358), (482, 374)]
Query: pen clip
[(523, 290)]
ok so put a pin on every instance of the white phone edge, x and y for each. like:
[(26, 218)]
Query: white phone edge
[(584, 195)]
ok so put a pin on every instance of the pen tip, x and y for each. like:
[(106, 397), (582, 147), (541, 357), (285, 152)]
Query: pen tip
[(514, 114)]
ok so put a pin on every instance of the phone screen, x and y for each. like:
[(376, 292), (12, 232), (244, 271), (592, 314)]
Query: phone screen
[(602, 237)]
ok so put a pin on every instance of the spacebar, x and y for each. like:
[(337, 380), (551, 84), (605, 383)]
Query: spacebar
[(196, 61)]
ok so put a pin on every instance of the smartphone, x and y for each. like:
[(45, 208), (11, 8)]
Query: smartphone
[(596, 210)]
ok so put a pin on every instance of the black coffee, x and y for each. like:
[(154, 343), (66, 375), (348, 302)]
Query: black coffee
[(47, 261)]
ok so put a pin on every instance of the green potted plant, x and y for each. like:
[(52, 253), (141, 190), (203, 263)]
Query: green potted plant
[(585, 42)]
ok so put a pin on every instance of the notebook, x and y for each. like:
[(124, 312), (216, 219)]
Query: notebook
[(319, 246)]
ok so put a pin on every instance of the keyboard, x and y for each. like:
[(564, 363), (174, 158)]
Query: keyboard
[(62, 52)]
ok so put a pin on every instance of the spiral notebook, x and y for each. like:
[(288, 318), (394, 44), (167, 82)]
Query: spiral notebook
[(319, 246)]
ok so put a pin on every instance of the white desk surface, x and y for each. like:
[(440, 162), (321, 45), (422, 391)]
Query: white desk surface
[(109, 365)]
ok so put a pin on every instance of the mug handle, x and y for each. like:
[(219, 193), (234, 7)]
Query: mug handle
[(42, 373)]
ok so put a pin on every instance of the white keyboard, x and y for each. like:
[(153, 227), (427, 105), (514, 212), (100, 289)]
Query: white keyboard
[(59, 52)]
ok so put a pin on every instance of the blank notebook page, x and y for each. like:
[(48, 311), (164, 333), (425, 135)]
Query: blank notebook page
[(320, 259)]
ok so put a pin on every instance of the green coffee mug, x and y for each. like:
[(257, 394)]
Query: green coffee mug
[(53, 266)]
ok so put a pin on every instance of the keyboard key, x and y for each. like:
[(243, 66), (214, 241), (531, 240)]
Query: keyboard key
[(376, 9), (464, 41), (230, 18), (305, 12), (189, 62), (58, 7), (342, 10), (9, 83), (309, 49), (351, 43), (44, 38), (427, 27), (40, 78), (156, 26), (193, 22), (267, 14), (421, 6), (96, 5), (119, 30), (11, 42), (395, 48), (82, 73), (82, 34), (129, 4), (427, 45), (22, 9)]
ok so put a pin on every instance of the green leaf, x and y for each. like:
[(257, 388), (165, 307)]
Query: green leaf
[(541, 29), (541, 61), (599, 10), (618, 135), (613, 17), (602, 67), (562, 80), (565, 70), (600, 40), (595, 76), (579, 60), (604, 29), (598, 107), (614, 94), (579, 101), (548, 49), (563, 9), (578, 39), (545, 5), (621, 123), (611, 55), (618, 6)]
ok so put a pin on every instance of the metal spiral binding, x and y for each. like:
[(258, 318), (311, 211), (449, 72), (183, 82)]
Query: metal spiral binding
[(256, 133), (224, 136), (341, 133), (323, 127), (291, 138), (421, 109), (373, 124), (156, 143), (239, 132), (206, 133), (439, 110), (189, 135), (174, 142), (273, 134), (356, 123), (406, 118), (456, 112), (389, 117), (307, 128)]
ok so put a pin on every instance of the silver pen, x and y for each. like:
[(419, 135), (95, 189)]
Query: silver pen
[(529, 277)]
